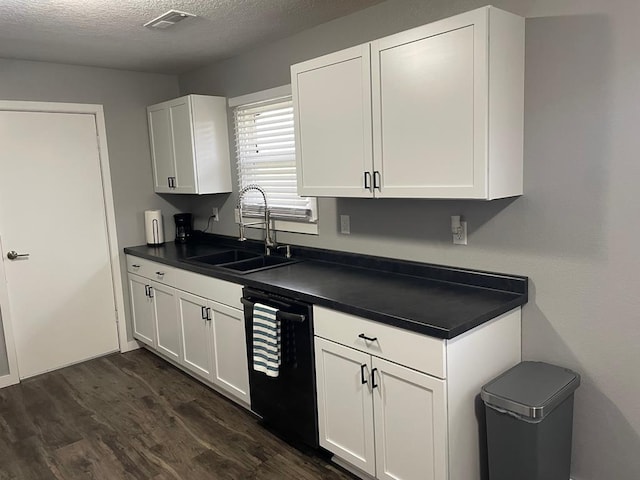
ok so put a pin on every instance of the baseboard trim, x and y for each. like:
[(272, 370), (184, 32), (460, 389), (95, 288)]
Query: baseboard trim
[(130, 346), (8, 380), (198, 378), (351, 469), (356, 471)]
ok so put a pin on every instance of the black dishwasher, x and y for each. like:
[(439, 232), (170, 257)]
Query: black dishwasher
[(286, 403)]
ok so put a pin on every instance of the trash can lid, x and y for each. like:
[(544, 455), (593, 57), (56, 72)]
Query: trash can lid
[(530, 389)]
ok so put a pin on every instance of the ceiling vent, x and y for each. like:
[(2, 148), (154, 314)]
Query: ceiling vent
[(168, 19)]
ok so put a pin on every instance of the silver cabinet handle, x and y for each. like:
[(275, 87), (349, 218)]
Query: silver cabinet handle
[(12, 255)]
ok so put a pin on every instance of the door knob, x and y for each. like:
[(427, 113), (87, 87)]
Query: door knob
[(12, 255)]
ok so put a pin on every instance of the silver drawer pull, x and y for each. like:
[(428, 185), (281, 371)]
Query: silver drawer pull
[(161, 274), (135, 266), (368, 339)]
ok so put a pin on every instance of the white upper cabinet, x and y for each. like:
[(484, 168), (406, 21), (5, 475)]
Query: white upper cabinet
[(444, 117), (190, 145), (428, 102), (332, 105)]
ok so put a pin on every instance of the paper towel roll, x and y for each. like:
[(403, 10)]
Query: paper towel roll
[(154, 227)]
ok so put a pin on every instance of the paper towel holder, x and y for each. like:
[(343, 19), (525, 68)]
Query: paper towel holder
[(153, 227)]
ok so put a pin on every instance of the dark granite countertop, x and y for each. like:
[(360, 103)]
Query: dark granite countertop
[(431, 299)]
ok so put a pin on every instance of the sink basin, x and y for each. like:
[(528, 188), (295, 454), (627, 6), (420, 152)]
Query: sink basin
[(220, 258), (260, 263), (240, 261)]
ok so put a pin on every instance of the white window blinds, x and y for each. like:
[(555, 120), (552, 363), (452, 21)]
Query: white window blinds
[(265, 149)]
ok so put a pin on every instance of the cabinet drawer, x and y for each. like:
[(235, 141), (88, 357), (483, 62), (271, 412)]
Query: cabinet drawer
[(420, 352), (220, 291), (151, 270)]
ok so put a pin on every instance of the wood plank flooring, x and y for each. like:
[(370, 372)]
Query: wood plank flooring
[(134, 416)]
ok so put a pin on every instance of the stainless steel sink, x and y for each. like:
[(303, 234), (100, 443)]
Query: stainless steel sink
[(240, 261)]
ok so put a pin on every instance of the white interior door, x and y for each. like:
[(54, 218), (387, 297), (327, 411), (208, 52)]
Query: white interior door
[(52, 207)]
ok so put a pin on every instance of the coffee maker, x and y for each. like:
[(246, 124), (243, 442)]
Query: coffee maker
[(183, 227)]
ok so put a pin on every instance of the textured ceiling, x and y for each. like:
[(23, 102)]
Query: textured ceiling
[(109, 33)]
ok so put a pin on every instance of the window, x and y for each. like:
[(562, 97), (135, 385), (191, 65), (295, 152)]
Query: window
[(265, 152)]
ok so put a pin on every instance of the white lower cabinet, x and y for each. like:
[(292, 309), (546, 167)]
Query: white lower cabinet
[(166, 320), (213, 342), (345, 404), (196, 333), (229, 352), (357, 391), (205, 335), (410, 412), (153, 305), (398, 405), (142, 310), (155, 319)]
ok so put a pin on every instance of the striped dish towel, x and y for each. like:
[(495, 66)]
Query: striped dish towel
[(266, 340)]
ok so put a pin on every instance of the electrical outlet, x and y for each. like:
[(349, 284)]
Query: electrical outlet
[(215, 214), (460, 237), (345, 224)]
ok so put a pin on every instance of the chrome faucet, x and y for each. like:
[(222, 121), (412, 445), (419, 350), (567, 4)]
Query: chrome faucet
[(269, 243)]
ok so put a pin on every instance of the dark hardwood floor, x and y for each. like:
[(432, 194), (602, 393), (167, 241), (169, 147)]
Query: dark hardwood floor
[(134, 416)]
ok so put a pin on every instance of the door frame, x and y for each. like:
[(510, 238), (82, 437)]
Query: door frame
[(107, 195), (5, 315)]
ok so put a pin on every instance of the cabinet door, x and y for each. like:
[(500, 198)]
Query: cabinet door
[(410, 423), (182, 134), (332, 111), (142, 310), (430, 97), (196, 333), (161, 143), (345, 409), (167, 321), (229, 350)]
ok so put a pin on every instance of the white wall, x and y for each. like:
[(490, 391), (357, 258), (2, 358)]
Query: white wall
[(125, 96), (575, 230)]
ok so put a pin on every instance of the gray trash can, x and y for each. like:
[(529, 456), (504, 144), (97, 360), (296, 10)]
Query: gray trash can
[(529, 422)]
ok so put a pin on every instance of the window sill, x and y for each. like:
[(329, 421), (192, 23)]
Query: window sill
[(285, 226)]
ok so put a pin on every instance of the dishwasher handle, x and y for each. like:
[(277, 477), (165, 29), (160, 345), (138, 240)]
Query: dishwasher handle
[(290, 317), (270, 301)]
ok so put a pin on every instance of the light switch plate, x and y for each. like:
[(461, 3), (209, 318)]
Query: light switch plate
[(345, 224)]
